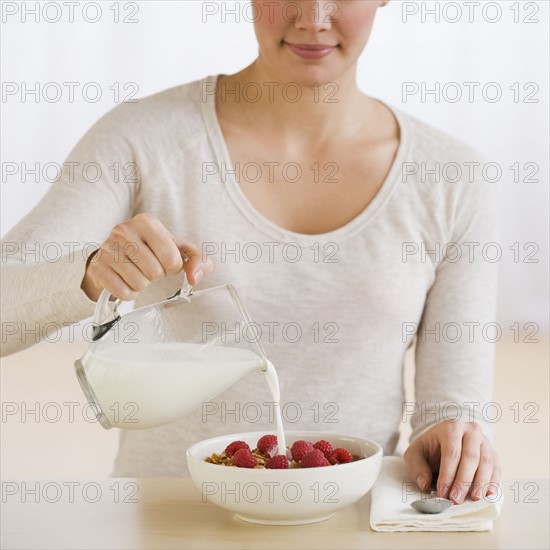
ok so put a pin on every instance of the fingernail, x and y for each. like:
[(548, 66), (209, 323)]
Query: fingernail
[(454, 494), (198, 275), (476, 494), (421, 482)]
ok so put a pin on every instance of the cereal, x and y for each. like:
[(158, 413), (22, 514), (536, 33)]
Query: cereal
[(224, 460)]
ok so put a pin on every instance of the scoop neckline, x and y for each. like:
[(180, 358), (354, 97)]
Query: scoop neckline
[(249, 211)]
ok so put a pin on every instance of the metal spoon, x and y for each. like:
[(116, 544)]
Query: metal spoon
[(432, 504)]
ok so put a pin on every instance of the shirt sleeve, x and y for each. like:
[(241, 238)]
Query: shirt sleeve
[(456, 336), (44, 256)]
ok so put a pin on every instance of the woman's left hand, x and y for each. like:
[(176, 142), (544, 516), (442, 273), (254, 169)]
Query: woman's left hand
[(463, 456)]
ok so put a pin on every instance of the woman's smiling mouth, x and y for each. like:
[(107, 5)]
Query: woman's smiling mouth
[(310, 51)]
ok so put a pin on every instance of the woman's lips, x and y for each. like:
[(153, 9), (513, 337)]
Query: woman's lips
[(311, 51)]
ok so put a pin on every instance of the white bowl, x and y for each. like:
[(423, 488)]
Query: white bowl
[(285, 497)]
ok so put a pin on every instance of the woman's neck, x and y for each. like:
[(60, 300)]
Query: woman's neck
[(322, 112)]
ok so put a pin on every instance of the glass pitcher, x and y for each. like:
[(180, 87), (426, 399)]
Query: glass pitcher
[(157, 363)]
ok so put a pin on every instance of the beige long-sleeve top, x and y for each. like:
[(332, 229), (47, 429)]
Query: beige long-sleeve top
[(337, 310)]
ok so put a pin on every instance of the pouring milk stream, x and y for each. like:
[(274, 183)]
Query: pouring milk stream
[(171, 367)]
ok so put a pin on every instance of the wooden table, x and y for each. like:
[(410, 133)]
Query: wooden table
[(169, 513)]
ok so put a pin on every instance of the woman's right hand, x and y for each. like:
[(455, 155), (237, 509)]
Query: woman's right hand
[(136, 253)]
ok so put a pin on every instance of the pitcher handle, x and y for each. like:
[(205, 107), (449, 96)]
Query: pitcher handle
[(105, 315), (106, 312)]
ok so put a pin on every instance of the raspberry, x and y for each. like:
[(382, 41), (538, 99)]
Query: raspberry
[(266, 443), (300, 449), (340, 456), (324, 446), (314, 459), (243, 458), (232, 448), (277, 462)]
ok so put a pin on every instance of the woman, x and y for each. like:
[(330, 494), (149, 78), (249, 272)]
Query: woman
[(342, 234)]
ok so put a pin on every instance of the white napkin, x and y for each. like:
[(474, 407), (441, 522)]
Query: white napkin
[(394, 491)]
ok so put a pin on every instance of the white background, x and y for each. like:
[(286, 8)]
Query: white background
[(172, 43)]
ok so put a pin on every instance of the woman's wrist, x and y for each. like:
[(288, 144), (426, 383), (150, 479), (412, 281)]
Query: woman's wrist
[(87, 285)]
